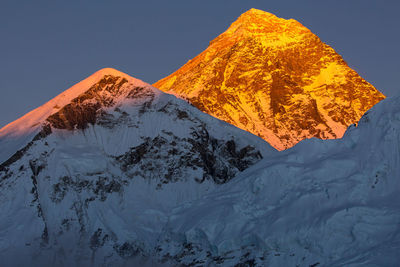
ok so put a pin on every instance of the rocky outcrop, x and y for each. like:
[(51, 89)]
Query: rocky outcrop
[(83, 109), (167, 158)]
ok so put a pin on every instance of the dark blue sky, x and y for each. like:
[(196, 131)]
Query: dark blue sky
[(47, 46)]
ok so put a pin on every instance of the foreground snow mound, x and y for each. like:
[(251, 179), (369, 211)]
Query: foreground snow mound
[(91, 177), (321, 203)]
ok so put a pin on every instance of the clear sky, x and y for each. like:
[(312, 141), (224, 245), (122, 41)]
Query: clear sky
[(47, 46)]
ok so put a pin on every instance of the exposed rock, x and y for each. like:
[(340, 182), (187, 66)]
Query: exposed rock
[(218, 160)]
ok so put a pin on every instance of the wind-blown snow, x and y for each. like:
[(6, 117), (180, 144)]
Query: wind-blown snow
[(99, 196), (333, 202)]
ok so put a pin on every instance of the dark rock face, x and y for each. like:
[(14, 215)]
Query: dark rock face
[(74, 116), (88, 108), (213, 159), (84, 109)]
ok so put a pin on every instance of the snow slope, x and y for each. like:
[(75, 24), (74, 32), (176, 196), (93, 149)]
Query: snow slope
[(325, 203), (97, 181), (150, 179)]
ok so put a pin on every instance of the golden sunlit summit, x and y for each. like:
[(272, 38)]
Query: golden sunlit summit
[(276, 79)]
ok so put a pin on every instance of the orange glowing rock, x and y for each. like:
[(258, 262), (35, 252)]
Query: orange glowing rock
[(276, 79)]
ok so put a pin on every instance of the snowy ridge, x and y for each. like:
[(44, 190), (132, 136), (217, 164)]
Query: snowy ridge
[(17, 134)]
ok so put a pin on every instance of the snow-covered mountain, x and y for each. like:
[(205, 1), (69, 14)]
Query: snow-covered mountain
[(113, 172), (92, 176), (276, 79)]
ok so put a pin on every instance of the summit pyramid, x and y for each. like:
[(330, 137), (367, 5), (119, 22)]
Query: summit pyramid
[(276, 79)]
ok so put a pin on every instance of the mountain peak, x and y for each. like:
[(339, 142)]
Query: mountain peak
[(109, 71), (253, 13), (106, 83), (32, 118), (274, 78), (267, 28)]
